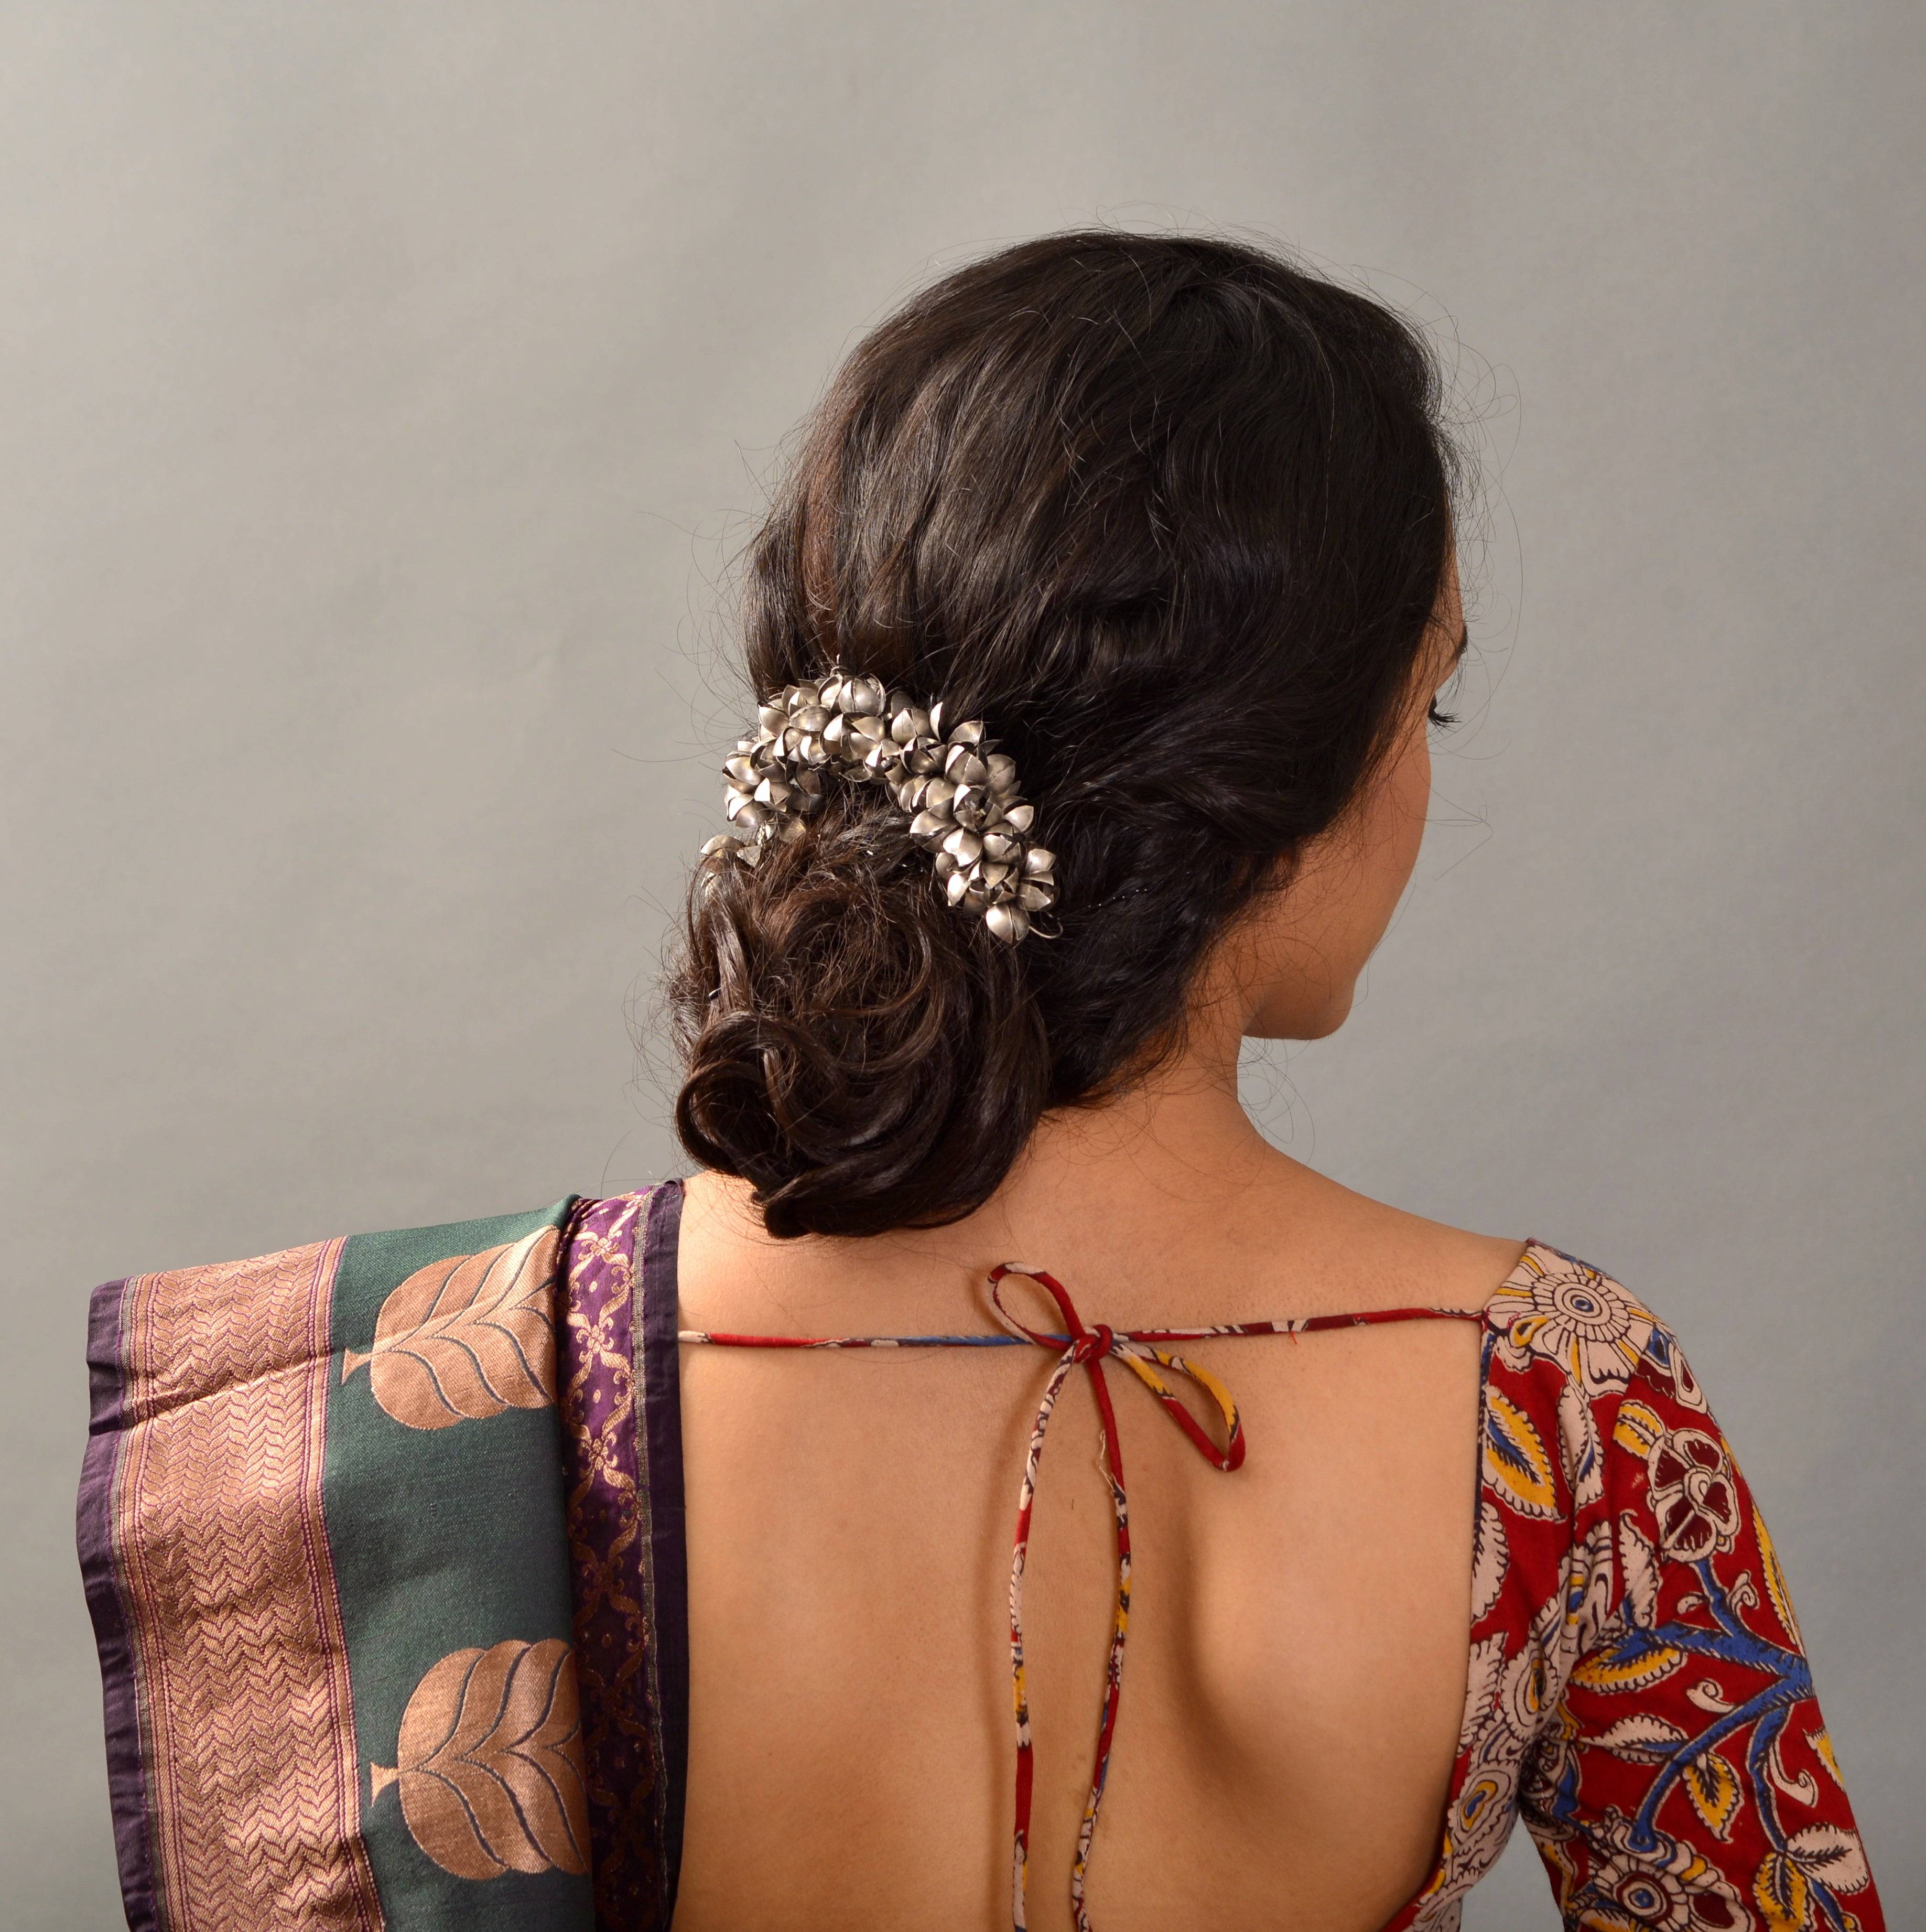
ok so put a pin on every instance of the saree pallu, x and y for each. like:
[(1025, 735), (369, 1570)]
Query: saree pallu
[(368, 1539)]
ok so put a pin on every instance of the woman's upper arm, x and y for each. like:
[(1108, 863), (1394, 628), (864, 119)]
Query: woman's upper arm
[(1684, 1779)]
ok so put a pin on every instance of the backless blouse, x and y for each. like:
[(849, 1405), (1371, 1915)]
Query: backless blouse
[(1635, 1688), (383, 1543)]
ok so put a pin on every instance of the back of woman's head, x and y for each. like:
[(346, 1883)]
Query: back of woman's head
[(1171, 517)]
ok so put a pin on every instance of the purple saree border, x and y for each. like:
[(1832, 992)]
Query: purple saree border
[(106, 1605), (658, 1355), (621, 1410), (608, 1559)]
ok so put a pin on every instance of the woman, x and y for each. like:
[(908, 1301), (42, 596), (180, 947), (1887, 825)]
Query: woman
[(1097, 632)]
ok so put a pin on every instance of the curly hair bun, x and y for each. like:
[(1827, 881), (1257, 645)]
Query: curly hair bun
[(869, 1059)]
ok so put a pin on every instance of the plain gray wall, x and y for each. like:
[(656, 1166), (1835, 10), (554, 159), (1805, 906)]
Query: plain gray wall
[(387, 387)]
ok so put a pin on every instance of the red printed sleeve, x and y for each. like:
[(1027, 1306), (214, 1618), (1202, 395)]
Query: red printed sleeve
[(1684, 1779)]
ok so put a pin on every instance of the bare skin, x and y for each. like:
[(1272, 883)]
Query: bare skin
[(1298, 1635)]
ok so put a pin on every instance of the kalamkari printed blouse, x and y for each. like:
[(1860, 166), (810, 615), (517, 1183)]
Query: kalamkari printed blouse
[(1636, 1691)]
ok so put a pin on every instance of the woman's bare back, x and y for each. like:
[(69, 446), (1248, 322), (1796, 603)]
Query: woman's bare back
[(1298, 1629)]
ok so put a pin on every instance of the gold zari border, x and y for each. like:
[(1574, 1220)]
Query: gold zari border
[(246, 1723)]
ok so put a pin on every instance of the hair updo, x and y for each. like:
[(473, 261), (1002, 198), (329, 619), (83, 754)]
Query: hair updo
[(1171, 516)]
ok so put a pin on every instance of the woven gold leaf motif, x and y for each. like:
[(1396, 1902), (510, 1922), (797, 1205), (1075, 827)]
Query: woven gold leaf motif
[(467, 1337), (489, 1763)]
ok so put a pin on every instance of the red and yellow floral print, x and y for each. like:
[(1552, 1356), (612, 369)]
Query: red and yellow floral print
[(1638, 1692)]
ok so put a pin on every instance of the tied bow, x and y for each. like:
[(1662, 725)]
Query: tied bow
[(1088, 1348)]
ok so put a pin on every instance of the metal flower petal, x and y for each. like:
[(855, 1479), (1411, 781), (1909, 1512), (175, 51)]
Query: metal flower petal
[(958, 793)]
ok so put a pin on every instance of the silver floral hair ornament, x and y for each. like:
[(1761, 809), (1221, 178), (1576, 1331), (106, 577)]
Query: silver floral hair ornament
[(960, 793)]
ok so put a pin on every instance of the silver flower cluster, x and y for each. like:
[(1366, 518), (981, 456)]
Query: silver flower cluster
[(960, 793)]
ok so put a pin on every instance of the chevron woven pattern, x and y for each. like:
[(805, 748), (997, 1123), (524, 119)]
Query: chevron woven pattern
[(246, 1717)]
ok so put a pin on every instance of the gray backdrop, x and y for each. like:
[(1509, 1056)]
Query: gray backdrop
[(387, 388)]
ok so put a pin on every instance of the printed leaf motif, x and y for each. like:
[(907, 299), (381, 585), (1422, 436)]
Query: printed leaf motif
[(1638, 1562), (489, 1763), (1644, 1739), (1579, 1443), (1490, 1560), (1821, 1742), (1712, 1785), (1775, 1581), (1638, 1428), (1606, 1670), (1832, 1855), (1782, 1894), (466, 1337), (1515, 1463)]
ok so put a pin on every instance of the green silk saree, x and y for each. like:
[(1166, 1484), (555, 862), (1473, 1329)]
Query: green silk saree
[(376, 1533)]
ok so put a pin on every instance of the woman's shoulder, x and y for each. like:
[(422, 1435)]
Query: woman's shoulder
[(1564, 1335), (1591, 1409), (1554, 1316), (1352, 1252)]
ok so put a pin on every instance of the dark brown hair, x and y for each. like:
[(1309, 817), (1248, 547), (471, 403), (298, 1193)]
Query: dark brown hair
[(1169, 514)]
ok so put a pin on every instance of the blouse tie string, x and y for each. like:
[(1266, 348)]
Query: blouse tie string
[(1080, 1345), (1087, 1347)]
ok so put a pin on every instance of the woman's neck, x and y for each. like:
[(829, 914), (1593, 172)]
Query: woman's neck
[(1179, 1142), (1161, 1168)]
